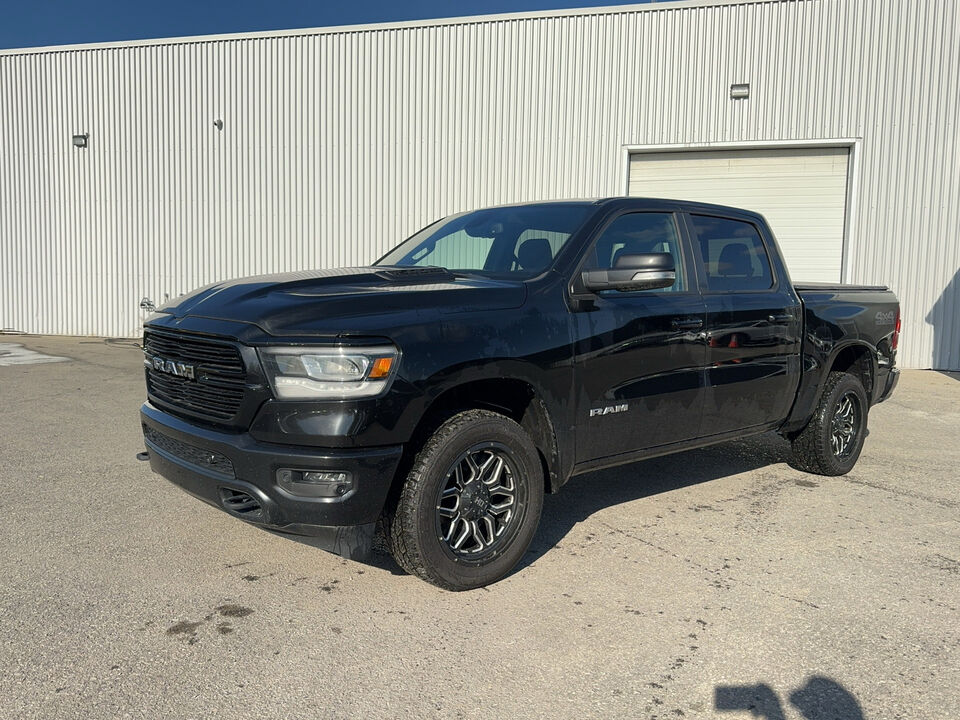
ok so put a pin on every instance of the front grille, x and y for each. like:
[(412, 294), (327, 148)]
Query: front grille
[(190, 453), (217, 387)]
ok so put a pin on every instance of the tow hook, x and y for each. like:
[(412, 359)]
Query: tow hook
[(143, 456)]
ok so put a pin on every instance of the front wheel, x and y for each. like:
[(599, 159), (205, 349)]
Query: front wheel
[(831, 442), (470, 504)]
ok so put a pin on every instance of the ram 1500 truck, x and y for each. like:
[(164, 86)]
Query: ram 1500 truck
[(493, 355)]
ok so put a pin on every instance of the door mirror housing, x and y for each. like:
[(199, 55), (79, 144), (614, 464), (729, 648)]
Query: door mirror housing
[(647, 271)]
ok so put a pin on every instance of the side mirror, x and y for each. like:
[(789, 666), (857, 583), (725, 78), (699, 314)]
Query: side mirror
[(648, 271)]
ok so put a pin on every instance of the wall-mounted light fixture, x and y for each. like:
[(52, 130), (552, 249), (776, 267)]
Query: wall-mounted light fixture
[(218, 124), (739, 91), (80, 141)]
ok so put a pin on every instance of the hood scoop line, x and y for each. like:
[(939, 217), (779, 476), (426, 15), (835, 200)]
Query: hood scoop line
[(416, 275)]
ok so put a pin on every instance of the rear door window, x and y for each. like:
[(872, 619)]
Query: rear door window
[(732, 253)]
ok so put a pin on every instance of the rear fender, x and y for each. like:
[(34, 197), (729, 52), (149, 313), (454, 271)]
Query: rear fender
[(816, 368)]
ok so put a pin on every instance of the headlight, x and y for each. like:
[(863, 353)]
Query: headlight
[(333, 373)]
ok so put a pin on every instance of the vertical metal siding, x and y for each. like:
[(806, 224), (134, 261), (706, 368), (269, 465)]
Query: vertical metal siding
[(338, 144)]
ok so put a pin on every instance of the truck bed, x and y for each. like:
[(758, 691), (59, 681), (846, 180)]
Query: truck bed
[(844, 315)]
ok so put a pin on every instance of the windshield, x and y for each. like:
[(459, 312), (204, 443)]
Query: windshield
[(518, 241)]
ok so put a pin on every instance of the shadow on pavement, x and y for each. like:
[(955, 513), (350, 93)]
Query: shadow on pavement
[(379, 556), (586, 494), (819, 699)]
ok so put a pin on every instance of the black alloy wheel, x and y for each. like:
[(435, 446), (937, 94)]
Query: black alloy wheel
[(831, 442), (470, 504)]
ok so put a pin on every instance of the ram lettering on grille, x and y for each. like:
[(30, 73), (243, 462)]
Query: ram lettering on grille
[(174, 368)]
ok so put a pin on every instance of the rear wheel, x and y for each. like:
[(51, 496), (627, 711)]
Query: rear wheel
[(831, 442), (470, 504)]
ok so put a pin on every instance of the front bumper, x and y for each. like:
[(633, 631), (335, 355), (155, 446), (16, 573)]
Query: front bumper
[(234, 472)]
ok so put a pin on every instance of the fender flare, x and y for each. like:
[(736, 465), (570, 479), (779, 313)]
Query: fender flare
[(540, 417), (813, 380)]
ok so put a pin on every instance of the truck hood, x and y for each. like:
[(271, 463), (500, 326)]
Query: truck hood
[(345, 300)]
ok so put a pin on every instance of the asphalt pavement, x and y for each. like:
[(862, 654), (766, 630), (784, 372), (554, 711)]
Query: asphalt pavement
[(718, 583)]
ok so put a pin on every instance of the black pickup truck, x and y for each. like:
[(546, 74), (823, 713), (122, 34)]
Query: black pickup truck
[(492, 356)]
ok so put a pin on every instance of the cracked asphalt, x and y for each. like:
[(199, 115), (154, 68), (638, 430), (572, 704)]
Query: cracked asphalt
[(719, 583)]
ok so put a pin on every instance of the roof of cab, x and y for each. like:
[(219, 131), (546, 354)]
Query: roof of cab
[(630, 201)]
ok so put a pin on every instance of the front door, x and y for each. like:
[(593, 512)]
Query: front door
[(640, 354)]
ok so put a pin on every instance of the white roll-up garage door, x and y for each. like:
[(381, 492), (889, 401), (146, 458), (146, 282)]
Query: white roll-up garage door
[(801, 191)]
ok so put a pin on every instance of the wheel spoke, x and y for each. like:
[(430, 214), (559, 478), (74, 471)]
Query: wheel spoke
[(448, 512), (477, 535), (458, 542), (490, 525), (502, 490), (472, 465), (451, 529), (458, 476), (496, 472), (500, 508)]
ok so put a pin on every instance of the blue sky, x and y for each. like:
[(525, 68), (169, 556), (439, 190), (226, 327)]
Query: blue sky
[(33, 23)]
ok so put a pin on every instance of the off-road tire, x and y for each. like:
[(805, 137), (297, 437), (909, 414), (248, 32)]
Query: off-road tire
[(813, 451), (413, 524)]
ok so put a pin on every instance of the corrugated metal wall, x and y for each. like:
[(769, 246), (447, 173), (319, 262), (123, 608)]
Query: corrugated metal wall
[(337, 144)]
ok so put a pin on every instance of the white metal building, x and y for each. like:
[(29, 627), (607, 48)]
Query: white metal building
[(214, 157)]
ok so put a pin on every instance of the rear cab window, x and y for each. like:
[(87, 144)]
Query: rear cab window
[(732, 254)]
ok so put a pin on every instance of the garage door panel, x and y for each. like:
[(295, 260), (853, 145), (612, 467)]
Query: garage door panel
[(825, 191), (801, 191)]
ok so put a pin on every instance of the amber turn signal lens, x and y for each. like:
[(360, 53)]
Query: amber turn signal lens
[(381, 368)]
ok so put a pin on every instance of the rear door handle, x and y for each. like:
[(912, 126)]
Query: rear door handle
[(686, 323), (781, 319)]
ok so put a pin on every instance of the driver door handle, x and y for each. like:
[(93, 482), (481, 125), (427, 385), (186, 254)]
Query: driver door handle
[(780, 319), (686, 323)]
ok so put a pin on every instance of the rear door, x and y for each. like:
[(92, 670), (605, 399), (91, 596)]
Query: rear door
[(640, 354), (753, 324)]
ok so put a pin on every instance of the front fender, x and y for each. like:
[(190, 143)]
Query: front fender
[(538, 400)]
